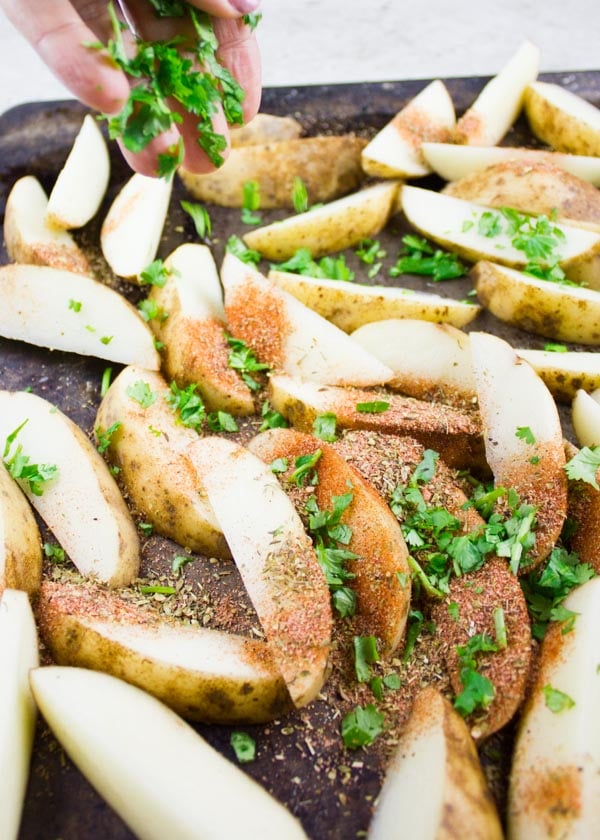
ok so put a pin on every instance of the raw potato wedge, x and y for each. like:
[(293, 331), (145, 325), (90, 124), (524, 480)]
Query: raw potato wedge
[(289, 336), (202, 674), (149, 449), (82, 504), (564, 372), (434, 785), (562, 119), (104, 724), (523, 438), (452, 433), (350, 305), (585, 413), (275, 558), (133, 226), (534, 188), (394, 152), (82, 182), (382, 602), (328, 166), (497, 106), (66, 311), (18, 653), (193, 333), (453, 224), (563, 313), (452, 162), (264, 128), (555, 778), (30, 239), (583, 510), (333, 227), (20, 544), (429, 360)]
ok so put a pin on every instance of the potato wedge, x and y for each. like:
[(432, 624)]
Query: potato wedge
[(523, 439), (66, 311), (20, 544), (265, 128), (452, 433), (149, 449), (350, 305), (394, 152), (535, 188), (133, 226), (585, 413), (434, 785), (382, 602), (193, 333), (103, 724), (201, 674), (333, 227), (563, 313), (566, 372), (30, 239), (18, 653), (555, 777), (81, 503), (562, 119), (454, 224), (452, 162), (583, 512), (289, 336), (328, 166), (497, 106), (429, 360), (275, 558), (82, 182)]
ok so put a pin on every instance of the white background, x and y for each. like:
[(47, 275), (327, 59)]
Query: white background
[(312, 41)]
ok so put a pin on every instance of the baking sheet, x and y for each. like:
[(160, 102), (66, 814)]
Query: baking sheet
[(300, 759)]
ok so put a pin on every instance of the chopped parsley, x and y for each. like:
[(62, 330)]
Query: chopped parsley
[(324, 427), (551, 347), (478, 691), (105, 383), (146, 528), (327, 268), (420, 257), (19, 467), (584, 466), (236, 247), (157, 590), (250, 203), (299, 195), (557, 701), (525, 434), (200, 217), (75, 305), (369, 250), (244, 747), (191, 411), (271, 419), (252, 20), (362, 726), (104, 438), (155, 274), (279, 465), (243, 359), (365, 655), (150, 310), (303, 466), (375, 407), (179, 561), (141, 392), (500, 628), (54, 553)]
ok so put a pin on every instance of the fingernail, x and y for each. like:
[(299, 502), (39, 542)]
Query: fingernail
[(245, 6)]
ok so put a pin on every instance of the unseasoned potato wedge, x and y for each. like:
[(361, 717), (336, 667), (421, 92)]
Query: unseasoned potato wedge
[(328, 166), (562, 119), (265, 128), (564, 372), (20, 544)]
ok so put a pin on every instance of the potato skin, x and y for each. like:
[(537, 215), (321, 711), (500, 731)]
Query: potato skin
[(329, 167), (562, 131), (21, 553)]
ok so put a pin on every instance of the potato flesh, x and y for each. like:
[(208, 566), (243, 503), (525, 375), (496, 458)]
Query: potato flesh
[(563, 119), (103, 724), (585, 413), (20, 545)]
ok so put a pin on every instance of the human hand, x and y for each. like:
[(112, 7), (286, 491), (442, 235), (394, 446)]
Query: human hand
[(59, 32)]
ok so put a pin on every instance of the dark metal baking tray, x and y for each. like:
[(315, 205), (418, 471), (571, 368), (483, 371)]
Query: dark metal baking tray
[(34, 139)]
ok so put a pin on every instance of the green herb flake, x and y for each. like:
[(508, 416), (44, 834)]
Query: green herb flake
[(365, 655), (106, 339), (200, 217), (375, 407), (187, 405), (551, 347), (279, 465), (271, 419), (155, 589), (75, 305), (327, 268), (369, 250), (54, 553), (362, 726), (243, 359), (146, 528), (179, 561), (303, 466), (155, 274), (525, 434), (500, 628), (221, 421), (141, 392), (150, 310), (557, 701), (299, 195), (247, 255), (324, 427), (243, 746), (584, 466), (252, 20), (454, 611), (105, 383), (105, 437), (250, 203), (421, 258), (36, 476), (392, 681)]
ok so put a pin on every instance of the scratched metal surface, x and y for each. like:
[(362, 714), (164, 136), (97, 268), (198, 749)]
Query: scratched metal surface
[(34, 139)]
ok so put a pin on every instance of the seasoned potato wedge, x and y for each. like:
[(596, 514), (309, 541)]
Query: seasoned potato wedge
[(148, 447), (193, 331), (80, 503), (276, 560), (583, 512), (452, 433), (133, 225), (333, 227), (497, 106), (536, 188), (20, 544), (382, 602), (555, 777), (201, 674), (28, 236), (82, 182), (452, 162), (18, 653), (127, 744), (585, 414), (66, 311), (288, 335), (394, 152), (350, 305), (454, 224), (523, 439), (265, 128), (563, 313), (434, 786), (429, 360), (566, 372), (328, 166), (562, 119)]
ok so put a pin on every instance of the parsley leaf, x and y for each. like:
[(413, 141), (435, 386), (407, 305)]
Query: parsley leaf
[(188, 405), (252, 20), (557, 701), (525, 434), (244, 747), (155, 274), (365, 655), (303, 466), (150, 310), (584, 466), (327, 268), (375, 407), (271, 419), (54, 553), (324, 427), (243, 359), (369, 250), (299, 195), (420, 258), (179, 561), (236, 247), (250, 203), (361, 726), (200, 217), (18, 466), (141, 392), (104, 438), (478, 691)]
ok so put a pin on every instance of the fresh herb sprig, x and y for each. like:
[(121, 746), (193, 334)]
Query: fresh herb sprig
[(327, 268), (19, 467), (243, 359), (420, 257)]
